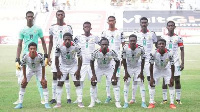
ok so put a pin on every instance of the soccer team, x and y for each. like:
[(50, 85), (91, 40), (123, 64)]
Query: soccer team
[(78, 57)]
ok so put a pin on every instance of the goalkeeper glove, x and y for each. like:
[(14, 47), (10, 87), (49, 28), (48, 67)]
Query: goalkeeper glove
[(17, 63), (46, 59)]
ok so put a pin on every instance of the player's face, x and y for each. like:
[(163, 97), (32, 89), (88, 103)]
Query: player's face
[(111, 21), (104, 45), (29, 17), (161, 45), (171, 26), (144, 24), (67, 41), (132, 42), (60, 15), (87, 27), (32, 50)]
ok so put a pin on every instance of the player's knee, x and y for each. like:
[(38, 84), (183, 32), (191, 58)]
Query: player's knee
[(24, 85), (60, 83), (148, 78), (93, 83), (54, 76), (67, 78), (114, 83), (77, 83)]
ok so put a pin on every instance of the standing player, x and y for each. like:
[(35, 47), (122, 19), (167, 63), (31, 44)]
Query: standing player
[(33, 63), (162, 59), (87, 43), (145, 39), (115, 38), (104, 56), (56, 32), (131, 56), (173, 43), (68, 64), (31, 33)]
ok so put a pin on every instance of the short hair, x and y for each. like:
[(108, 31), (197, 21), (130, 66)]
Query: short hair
[(29, 12), (68, 34), (60, 11), (162, 40), (143, 18), (112, 17), (103, 38), (132, 35), (171, 22), (87, 22), (32, 44)]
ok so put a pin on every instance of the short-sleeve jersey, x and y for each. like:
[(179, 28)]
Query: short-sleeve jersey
[(87, 45), (133, 56), (33, 64), (57, 32), (173, 43), (68, 55), (30, 34), (115, 39), (146, 40), (104, 61), (162, 61)]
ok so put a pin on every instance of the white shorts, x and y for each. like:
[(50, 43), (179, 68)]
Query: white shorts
[(19, 75), (146, 68), (53, 65), (162, 73), (177, 71), (71, 70), (86, 69), (107, 72), (134, 72), (30, 73)]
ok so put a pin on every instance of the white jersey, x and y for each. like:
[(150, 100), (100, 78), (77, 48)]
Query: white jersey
[(133, 56), (162, 61), (104, 61), (87, 45), (33, 64), (57, 32), (146, 40), (173, 43), (115, 39), (68, 55)]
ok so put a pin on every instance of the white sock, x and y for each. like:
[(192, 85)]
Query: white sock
[(58, 94), (46, 95), (67, 87), (95, 92), (79, 93), (54, 85), (171, 92), (149, 86), (92, 93), (142, 91), (126, 89), (164, 94), (108, 88), (152, 93), (178, 94), (116, 93), (21, 95), (134, 89)]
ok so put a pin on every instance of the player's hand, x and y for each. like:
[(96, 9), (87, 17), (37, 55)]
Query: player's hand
[(114, 80), (94, 80), (181, 66), (152, 82), (49, 61), (141, 76), (171, 81), (46, 59), (44, 83), (126, 76), (17, 63), (77, 74), (24, 82), (59, 74)]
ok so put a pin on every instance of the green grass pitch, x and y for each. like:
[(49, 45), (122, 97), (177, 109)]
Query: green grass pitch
[(190, 80)]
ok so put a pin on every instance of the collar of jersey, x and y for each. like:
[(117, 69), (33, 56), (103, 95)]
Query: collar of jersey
[(30, 54), (101, 50), (59, 25), (147, 30), (86, 36), (71, 43), (114, 30), (159, 50), (130, 46), (173, 34)]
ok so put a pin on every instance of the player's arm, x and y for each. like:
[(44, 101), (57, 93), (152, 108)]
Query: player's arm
[(126, 76), (151, 61), (57, 55), (93, 56), (24, 81), (45, 51), (141, 76), (172, 69), (122, 39), (50, 48), (182, 58)]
